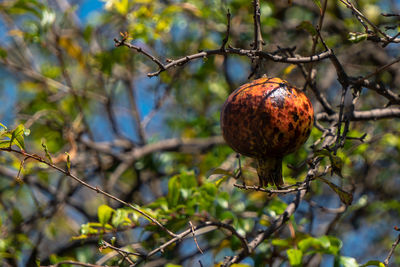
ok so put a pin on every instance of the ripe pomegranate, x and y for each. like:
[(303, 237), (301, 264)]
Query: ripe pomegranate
[(267, 119)]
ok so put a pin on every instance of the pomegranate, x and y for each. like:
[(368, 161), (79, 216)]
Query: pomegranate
[(267, 119)]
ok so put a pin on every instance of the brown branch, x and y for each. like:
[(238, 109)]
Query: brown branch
[(119, 43), (270, 191), (315, 40), (277, 223), (380, 89), (76, 263), (394, 245), (258, 40), (380, 69), (197, 230), (361, 15), (230, 50), (125, 254), (94, 188), (173, 144), (228, 30), (373, 114)]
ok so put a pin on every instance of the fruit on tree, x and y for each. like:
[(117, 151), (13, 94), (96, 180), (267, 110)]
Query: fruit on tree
[(267, 119)]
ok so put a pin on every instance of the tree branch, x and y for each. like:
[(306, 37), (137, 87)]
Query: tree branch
[(94, 188), (277, 223), (230, 50)]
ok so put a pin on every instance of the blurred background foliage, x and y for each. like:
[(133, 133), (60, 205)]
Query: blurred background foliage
[(63, 79)]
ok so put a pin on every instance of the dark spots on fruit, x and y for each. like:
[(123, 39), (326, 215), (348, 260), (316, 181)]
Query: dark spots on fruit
[(309, 118), (306, 106), (290, 126), (301, 112), (295, 116), (265, 119), (280, 137)]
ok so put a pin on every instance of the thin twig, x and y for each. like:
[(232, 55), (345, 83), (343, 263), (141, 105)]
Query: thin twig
[(228, 30), (278, 222), (251, 53), (94, 188), (269, 191), (361, 15), (258, 40), (194, 236), (207, 226), (380, 69), (140, 50), (394, 245), (76, 263), (372, 114)]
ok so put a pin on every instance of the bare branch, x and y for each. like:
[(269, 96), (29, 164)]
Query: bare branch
[(94, 188), (139, 50), (76, 263), (258, 40), (373, 114), (394, 245), (228, 30), (230, 50), (277, 223), (380, 89)]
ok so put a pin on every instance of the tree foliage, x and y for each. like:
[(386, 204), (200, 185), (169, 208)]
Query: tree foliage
[(111, 149)]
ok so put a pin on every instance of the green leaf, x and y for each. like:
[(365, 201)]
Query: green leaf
[(173, 191), (337, 165), (46, 151), (318, 3), (348, 262), (335, 245), (280, 242), (345, 197), (356, 37), (324, 241), (121, 216), (309, 242), (295, 257), (373, 263), (17, 137), (68, 162), (2, 125), (221, 171), (307, 26), (220, 181), (336, 161), (104, 213), (87, 229), (5, 143), (3, 54)]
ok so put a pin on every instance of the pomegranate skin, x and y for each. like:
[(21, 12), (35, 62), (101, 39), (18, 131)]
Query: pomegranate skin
[(267, 119)]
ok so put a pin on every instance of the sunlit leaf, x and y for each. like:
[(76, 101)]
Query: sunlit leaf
[(373, 263), (295, 257), (104, 213), (17, 137), (356, 37), (348, 262)]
